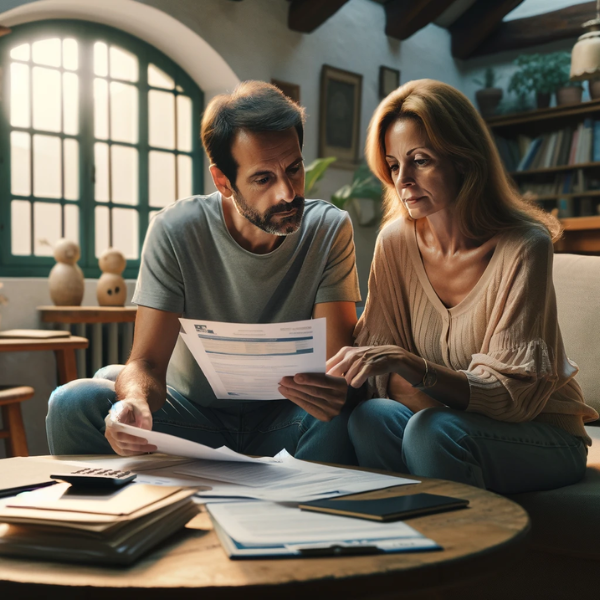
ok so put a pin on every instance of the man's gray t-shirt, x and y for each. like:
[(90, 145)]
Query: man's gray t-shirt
[(192, 265)]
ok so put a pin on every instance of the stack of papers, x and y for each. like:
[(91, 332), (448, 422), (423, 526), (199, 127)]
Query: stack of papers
[(115, 527), (223, 473), (259, 529)]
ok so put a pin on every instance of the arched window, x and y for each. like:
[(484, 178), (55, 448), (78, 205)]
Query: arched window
[(98, 131)]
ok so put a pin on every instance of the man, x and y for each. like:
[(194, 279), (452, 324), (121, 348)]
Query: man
[(253, 252)]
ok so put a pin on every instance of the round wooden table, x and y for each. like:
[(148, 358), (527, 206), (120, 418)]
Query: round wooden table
[(477, 541)]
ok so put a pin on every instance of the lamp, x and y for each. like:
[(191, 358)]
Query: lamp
[(585, 56)]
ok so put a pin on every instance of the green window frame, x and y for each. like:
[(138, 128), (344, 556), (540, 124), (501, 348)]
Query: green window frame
[(87, 34)]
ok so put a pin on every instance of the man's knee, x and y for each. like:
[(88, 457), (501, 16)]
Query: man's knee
[(111, 372), (376, 417), (83, 397)]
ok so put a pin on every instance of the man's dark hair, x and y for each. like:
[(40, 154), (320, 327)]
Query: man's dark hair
[(252, 106)]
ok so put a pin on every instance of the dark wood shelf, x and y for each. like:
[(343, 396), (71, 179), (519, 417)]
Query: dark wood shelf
[(544, 114), (588, 194), (558, 169), (581, 223)]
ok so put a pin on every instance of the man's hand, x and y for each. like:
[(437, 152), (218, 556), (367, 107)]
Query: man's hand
[(128, 413), (321, 396)]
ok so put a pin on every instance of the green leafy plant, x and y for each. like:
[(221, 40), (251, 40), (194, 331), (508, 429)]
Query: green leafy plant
[(515, 104), (489, 80), (364, 185), (315, 171), (541, 73)]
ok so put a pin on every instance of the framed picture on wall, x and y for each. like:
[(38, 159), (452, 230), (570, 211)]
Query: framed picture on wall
[(339, 123), (291, 90), (389, 80)]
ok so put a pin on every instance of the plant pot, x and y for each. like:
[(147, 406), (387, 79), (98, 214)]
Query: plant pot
[(488, 100), (542, 99), (568, 95), (594, 89)]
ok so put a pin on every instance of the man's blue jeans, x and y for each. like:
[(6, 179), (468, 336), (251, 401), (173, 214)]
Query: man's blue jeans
[(76, 412), (508, 458)]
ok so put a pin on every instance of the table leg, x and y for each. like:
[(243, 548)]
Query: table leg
[(81, 367), (67, 365), (13, 421), (96, 347)]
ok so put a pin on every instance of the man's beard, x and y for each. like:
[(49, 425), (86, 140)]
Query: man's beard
[(266, 221)]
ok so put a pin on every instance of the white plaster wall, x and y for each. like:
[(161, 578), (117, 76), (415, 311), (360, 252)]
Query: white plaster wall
[(253, 39)]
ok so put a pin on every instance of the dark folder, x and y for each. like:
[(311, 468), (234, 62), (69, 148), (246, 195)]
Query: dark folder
[(387, 509)]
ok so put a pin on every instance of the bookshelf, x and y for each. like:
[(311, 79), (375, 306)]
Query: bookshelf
[(554, 155)]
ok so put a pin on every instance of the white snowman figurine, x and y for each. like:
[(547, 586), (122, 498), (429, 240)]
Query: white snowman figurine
[(111, 289), (66, 278)]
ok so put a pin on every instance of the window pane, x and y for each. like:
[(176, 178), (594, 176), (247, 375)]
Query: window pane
[(71, 152), (71, 103), (101, 109), (70, 54), (47, 166), (72, 222), (123, 64), (152, 214), (20, 163), (184, 176), (20, 52), (123, 112), (19, 95), (101, 165), (46, 99), (158, 78), (184, 123), (101, 230), (100, 59), (161, 109), (47, 227), (47, 52), (125, 231), (124, 170), (20, 227), (162, 178)]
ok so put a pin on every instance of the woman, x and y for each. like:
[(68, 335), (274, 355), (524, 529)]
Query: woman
[(459, 339)]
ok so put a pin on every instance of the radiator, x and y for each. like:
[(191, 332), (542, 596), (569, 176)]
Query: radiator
[(110, 344)]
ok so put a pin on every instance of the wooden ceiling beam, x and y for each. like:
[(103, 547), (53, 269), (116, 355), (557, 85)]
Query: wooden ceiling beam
[(541, 29), (406, 17), (306, 15), (477, 23)]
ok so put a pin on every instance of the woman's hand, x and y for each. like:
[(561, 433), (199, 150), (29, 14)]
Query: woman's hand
[(357, 364), (321, 396)]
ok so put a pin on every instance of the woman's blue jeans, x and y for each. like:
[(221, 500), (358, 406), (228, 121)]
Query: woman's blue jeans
[(466, 447), (76, 412)]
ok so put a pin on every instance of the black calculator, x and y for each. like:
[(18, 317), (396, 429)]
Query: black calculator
[(96, 478)]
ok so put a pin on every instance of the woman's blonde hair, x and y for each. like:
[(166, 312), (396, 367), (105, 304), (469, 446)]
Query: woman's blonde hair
[(487, 203)]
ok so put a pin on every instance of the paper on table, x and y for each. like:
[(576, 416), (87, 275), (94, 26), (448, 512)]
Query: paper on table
[(170, 444), (267, 523), (246, 362)]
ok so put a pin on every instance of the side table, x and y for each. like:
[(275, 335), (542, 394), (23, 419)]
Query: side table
[(80, 316), (63, 348)]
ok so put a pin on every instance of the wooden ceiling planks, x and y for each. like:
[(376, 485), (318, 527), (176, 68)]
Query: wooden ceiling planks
[(541, 29), (479, 21), (406, 17), (306, 15)]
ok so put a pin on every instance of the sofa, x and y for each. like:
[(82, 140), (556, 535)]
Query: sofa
[(561, 558)]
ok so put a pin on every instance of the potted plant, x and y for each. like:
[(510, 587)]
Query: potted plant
[(489, 97), (365, 192), (569, 91), (542, 74)]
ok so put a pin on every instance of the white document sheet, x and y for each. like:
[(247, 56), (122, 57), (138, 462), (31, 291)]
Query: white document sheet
[(246, 362), (170, 444), (267, 523), (290, 480)]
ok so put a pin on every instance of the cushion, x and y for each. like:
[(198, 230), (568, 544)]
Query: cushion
[(577, 283), (566, 520)]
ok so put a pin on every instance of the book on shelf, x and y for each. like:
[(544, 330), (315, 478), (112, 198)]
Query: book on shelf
[(566, 146)]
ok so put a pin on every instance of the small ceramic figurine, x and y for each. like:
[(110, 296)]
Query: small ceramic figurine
[(111, 289), (66, 278)]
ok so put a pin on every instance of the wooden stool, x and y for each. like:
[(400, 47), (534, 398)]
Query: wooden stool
[(12, 419)]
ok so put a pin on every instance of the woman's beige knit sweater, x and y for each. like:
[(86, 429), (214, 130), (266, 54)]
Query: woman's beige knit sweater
[(503, 335)]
